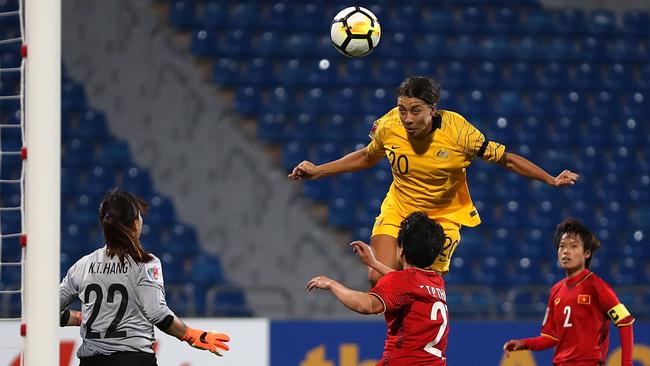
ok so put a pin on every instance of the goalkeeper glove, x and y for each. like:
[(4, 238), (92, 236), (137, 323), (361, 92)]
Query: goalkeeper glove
[(213, 342)]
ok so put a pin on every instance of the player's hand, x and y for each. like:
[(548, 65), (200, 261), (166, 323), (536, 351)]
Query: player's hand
[(364, 251), (513, 345), (322, 282), (305, 170), (566, 178), (207, 340)]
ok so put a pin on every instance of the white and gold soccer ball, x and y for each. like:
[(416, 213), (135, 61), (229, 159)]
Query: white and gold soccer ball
[(355, 31)]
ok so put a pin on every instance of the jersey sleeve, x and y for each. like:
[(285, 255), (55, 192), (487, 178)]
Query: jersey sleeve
[(376, 134), (611, 305), (68, 289), (548, 325), (474, 143), (151, 291), (392, 290)]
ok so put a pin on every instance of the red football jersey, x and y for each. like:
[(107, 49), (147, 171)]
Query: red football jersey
[(417, 317), (578, 316)]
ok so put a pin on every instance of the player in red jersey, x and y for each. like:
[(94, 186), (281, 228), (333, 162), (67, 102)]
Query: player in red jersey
[(413, 300), (579, 307)]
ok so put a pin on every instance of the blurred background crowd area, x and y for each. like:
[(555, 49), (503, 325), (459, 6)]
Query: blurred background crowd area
[(201, 107)]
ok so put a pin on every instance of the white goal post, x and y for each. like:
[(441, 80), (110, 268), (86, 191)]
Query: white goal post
[(42, 180)]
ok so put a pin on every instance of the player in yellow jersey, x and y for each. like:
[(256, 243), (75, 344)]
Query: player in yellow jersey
[(428, 150)]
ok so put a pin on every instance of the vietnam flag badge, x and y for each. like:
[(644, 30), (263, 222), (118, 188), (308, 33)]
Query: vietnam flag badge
[(584, 299)]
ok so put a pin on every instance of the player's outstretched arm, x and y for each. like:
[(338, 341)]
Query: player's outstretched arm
[(627, 344), (358, 301), (538, 343), (197, 338), (367, 257), (356, 160), (527, 168)]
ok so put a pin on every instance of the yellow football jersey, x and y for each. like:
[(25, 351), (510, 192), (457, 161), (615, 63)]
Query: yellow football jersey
[(429, 174)]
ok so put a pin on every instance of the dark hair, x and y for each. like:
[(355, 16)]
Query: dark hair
[(420, 87), (421, 239), (117, 212), (572, 226)]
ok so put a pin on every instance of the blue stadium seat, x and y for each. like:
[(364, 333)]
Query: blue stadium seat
[(278, 17), (432, 45), (506, 20), (465, 47), (114, 153), (231, 303), (539, 21), (592, 49), (292, 73), (322, 73), (73, 97), (635, 106), (248, 101), (474, 19), (214, 14), (235, 43), (77, 153), (293, 153), (587, 76), (305, 128), (315, 101), (391, 73), (553, 76), (309, 17), (182, 242), (300, 45), (271, 127), (259, 73), (379, 183), (349, 185), (358, 72), (244, 14), (521, 76), (528, 49), (456, 76), (173, 269), (138, 181), (510, 105), (345, 102), (342, 212), (396, 45), (99, 180), (570, 21), (161, 212), (269, 44), (437, 21), (572, 105), (378, 103), (627, 50), (636, 23), (488, 76), (181, 14), (559, 49), (337, 129), (204, 42), (226, 72), (602, 22)]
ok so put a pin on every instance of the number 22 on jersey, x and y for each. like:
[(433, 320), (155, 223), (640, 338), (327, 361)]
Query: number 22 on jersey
[(439, 309)]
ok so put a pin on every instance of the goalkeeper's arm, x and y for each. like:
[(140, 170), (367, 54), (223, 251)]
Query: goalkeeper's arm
[(70, 318), (205, 340)]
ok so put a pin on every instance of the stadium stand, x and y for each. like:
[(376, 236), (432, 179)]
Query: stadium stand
[(567, 87)]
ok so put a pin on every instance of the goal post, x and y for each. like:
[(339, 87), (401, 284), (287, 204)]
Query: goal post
[(42, 32)]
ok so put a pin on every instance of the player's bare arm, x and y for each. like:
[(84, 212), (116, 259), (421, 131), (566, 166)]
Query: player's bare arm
[(358, 301), (352, 162), (527, 168), (513, 345), (367, 257)]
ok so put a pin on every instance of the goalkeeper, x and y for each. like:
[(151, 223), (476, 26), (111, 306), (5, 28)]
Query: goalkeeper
[(122, 294)]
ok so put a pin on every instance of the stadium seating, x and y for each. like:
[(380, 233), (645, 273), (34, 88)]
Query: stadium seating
[(565, 87)]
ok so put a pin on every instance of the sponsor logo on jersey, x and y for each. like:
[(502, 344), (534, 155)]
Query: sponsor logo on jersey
[(584, 299), (556, 301), (443, 154), (154, 272)]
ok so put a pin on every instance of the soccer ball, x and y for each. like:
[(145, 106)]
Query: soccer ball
[(355, 31)]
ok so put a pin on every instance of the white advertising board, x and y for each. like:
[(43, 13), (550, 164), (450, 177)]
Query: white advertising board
[(249, 345)]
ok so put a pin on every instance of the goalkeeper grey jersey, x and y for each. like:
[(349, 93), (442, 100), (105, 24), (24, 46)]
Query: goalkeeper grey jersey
[(120, 303)]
